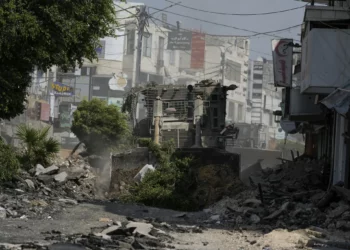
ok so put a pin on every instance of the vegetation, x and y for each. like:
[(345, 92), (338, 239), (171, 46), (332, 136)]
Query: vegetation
[(168, 186), (45, 33), (9, 163), (100, 126), (38, 148)]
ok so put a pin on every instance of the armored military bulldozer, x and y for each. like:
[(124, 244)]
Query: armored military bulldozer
[(193, 117)]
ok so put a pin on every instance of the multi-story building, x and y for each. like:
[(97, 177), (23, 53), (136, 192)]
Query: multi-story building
[(263, 99), (317, 103), (233, 54)]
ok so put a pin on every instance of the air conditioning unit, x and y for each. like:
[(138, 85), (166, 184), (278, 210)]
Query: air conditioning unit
[(160, 63), (246, 63), (245, 79)]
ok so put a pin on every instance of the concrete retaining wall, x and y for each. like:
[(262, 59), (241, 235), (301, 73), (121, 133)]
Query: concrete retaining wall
[(253, 160)]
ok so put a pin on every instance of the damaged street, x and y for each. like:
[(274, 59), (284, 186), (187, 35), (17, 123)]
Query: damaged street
[(221, 125), (63, 213)]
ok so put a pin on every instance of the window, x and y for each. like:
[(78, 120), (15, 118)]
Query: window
[(172, 57), (240, 112), (233, 71), (130, 41), (257, 86), (161, 49), (264, 101), (257, 77), (147, 45)]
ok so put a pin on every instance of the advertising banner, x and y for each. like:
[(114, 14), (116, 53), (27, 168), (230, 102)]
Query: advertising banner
[(45, 112), (198, 50), (178, 40), (61, 89), (282, 54)]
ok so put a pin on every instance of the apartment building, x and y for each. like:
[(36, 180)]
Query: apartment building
[(317, 103), (263, 99), (233, 54)]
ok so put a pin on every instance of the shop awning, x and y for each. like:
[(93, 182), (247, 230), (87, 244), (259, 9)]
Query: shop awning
[(338, 100)]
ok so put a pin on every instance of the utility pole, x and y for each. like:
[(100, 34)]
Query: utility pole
[(142, 23), (223, 59)]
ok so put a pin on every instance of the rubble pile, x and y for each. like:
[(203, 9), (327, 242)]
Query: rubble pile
[(117, 235), (289, 196), (41, 192)]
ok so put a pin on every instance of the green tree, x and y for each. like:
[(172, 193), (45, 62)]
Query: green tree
[(99, 126), (46, 33), (38, 147)]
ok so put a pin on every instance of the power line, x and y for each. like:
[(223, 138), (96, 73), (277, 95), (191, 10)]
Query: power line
[(170, 6), (211, 35), (267, 33), (239, 14)]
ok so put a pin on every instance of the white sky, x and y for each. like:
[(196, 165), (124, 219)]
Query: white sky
[(262, 43)]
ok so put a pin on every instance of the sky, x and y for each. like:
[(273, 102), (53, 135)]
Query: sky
[(260, 45)]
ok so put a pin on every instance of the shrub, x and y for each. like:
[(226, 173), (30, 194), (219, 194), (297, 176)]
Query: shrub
[(168, 186), (9, 163), (37, 147)]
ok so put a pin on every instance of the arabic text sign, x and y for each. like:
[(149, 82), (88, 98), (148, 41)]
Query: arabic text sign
[(198, 51), (282, 53), (178, 40), (61, 90)]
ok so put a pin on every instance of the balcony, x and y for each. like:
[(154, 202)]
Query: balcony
[(326, 13), (325, 61)]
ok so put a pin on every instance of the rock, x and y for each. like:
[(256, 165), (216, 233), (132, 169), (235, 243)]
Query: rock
[(344, 225), (68, 201), (39, 169), (215, 217), (143, 229), (252, 203), (46, 179), (277, 213), (2, 213), (254, 219), (346, 216), (239, 220), (61, 177), (30, 184), (207, 211), (111, 230), (76, 173), (19, 191), (342, 192), (181, 215), (339, 211), (50, 170), (39, 203)]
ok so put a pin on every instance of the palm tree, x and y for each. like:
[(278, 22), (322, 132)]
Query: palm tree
[(38, 148)]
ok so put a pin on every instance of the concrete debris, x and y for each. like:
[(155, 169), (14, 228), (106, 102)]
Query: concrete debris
[(30, 184), (128, 237), (43, 192), (141, 174), (50, 170), (61, 177), (288, 196), (2, 213)]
